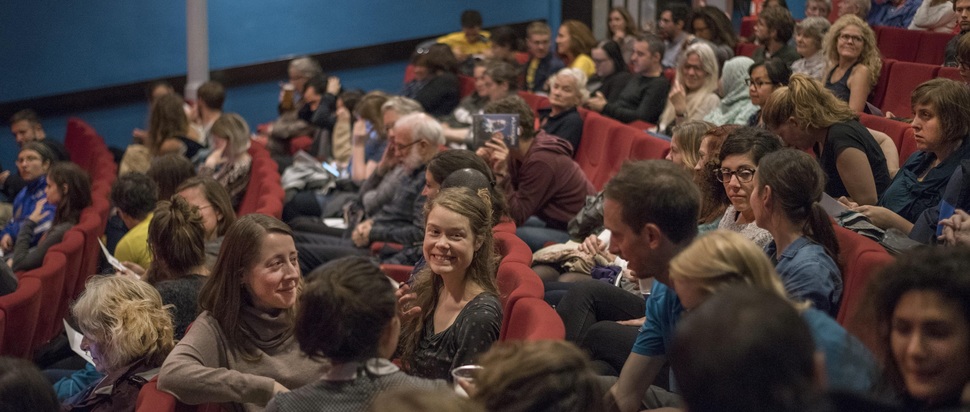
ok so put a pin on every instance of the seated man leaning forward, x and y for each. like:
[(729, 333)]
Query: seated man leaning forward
[(544, 187), (645, 95)]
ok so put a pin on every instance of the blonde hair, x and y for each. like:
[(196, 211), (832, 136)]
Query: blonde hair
[(579, 76), (720, 258), (125, 316), (694, 97), (689, 136), (233, 128), (543, 375), (810, 103), (870, 56)]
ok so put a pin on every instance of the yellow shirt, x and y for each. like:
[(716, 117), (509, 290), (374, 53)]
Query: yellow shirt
[(584, 63), (459, 41), (133, 246)]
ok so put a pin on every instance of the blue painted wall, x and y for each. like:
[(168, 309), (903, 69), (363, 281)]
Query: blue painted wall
[(53, 47)]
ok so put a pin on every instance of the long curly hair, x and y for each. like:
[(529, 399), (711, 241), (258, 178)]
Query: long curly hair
[(870, 56), (475, 207)]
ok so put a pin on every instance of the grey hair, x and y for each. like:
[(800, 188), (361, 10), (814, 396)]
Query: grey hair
[(580, 78), (307, 66), (422, 127), (814, 27), (401, 105)]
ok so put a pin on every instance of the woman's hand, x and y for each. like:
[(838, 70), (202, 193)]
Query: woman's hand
[(956, 229), (405, 299), (39, 213), (359, 132), (278, 388), (878, 215), (333, 85), (633, 322), (215, 158), (678, 98), (848, 203), (343, 115), (6, 243), (361, 235)]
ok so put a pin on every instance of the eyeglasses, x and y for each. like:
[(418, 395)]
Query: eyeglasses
[(756, 83), (851, 37), (26, 159), (724, 175), (698, 69), (400, 147)]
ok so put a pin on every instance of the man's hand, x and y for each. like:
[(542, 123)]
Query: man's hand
[(956, 229), (333, 85), (6, 243), (498, 154), (597, 102), (3, 176), (39, 213), (361, 235)]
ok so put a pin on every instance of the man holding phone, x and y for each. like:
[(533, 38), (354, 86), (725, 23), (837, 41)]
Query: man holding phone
[(544, 187)]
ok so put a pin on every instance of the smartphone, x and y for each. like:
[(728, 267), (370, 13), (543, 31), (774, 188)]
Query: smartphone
[(484, 126)]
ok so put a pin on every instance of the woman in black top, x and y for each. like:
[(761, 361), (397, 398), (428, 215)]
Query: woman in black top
[(612, 73)]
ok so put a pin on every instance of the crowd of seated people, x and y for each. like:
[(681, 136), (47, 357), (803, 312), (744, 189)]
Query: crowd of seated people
[(720, 258)]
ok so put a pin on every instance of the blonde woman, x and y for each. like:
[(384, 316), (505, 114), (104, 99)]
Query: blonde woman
[(685, 144), (128, 333), (694, 92), (229, 162), (722, 258), (853, 61)]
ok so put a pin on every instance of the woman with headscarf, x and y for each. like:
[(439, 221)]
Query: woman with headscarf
[(736, 106)]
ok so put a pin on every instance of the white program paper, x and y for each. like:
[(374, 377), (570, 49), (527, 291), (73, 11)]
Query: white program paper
[(74, 338), (111, 259)]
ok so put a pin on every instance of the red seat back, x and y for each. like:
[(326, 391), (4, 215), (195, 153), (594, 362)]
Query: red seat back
[(878, 94), (860, 259), (952, 73), (72, 248), (649, 147), (891, 43), (533, 319), (606, 144), (535, 101), (745, 49), (512, 249), (932, 47), (150, 399), (51, 276), (747, 25), (904, 77), (516, 281), (895, 129), (21, 309), (466, 85)]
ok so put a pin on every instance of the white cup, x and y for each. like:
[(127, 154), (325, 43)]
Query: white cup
[(466, 374)]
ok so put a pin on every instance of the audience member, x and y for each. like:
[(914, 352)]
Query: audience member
[(807, 116), (169, 130), (542, 62), (942, 107), (453, 312), (241, 350), (214, 206), (176, 240), (573, 43), (340, 141), (472, 104), (670, 28), (951, 56), (893, 13), (694, 92), (545, 188), (26, 127), (818, 8), (612, 73), (533, 376), (788, 187), (567, 90), (169, 172), (299, 71), (471, 40), (23, 388), (229, 163), (318, 113), (33, 162), (921, 308), (211, 96), (963, 54), (369, 139), (809, 34), (643, 97), (710, 24), (128, 333), (353, 301), (439, 92), (463, 168), (505, 46), (853, 61), (68, 191), (858, 8), (134, 196), (651, 208), (740, 154), (498, 82), (773, 30), (735, 106), (935, 15), (714, 199), (622, 29), (763, 79)]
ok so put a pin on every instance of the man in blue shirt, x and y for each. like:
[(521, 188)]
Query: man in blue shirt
[(651, 210), (893, 13)]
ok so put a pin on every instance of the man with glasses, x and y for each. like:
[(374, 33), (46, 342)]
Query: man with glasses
[(645, 94), (542, 63), (26, 127), (962, 8), (773, 30)]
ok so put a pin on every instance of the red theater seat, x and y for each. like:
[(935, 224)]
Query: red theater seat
[(898, 43), (878, 94), (51, 276), (21, 309), (904, 77), (952, 73), (533, 319), (860, 258), (932, 47)]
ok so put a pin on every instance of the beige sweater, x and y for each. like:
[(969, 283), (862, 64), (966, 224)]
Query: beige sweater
[(201, 370)]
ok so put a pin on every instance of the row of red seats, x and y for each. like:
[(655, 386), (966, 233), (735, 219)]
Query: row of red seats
[(904, 77), (31, 316), (606, 144), (264, 193)]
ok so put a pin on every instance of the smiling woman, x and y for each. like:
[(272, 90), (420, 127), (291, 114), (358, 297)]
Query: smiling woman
[(454, 313), (241, 350)]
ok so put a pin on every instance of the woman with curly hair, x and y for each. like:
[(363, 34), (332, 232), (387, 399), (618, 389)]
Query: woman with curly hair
[(128, 333), (853, 61), (453, 312)]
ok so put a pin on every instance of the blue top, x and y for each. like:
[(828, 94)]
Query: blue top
[(849, 366), (808, 273), (23, 206), (907, 196), (663, 313), (886, 14)]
